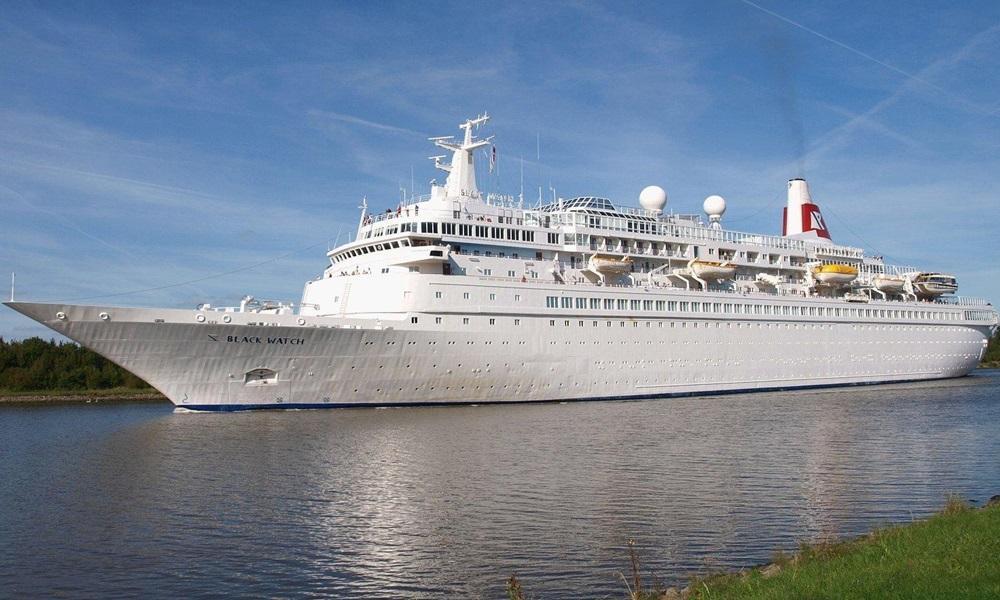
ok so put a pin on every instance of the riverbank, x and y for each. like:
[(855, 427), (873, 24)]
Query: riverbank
[(953, 554), (108, 396)]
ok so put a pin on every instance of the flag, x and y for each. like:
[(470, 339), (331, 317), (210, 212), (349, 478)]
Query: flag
[(493, 159)]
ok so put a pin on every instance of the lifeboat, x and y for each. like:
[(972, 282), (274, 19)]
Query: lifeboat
[(710, 269), (890, 284), (835, 274), (609, 264), (932, 285)]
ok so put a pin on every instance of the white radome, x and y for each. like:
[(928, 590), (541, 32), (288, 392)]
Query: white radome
[(714, 206), (653, 197)]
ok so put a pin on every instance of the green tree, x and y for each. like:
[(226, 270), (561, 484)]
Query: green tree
[(993, 350), (34, 364)]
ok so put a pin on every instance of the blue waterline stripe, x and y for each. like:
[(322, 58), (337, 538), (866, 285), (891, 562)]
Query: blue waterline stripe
[(299, 406)]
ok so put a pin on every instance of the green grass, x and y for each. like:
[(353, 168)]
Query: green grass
[(954, 554)]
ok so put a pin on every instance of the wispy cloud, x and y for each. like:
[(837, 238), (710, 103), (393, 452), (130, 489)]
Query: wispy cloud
[(326, 115)]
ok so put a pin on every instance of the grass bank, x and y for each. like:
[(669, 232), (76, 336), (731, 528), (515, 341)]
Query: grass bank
[(954, 554), (87, 396)]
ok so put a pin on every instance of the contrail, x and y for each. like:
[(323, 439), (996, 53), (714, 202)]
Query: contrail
[(871, 58)]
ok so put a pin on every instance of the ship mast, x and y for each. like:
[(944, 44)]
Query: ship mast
[(461, 180)]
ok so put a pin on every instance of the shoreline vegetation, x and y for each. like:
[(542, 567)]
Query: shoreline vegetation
[(99, 396), (36, 371), (954, 553)]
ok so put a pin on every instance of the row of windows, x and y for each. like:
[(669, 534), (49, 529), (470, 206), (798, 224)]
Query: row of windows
[(736, 308), (369, 249), (468, 296), (661, 324)]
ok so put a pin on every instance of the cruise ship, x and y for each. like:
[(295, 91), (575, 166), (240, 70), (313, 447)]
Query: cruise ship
[(465, 297)]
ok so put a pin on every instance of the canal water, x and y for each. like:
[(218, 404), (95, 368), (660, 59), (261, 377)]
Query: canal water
[(137, 500)]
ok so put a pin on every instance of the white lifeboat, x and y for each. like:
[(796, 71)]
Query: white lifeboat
[(609, 264), (890, 284), (932, 285), (710, 269), (835, 274)]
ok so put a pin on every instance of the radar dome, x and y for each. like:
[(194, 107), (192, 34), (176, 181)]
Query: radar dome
[(714, 206), (653, 197)]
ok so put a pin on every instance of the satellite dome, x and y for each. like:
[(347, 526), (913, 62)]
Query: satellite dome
[(653, 197), (714, 206)]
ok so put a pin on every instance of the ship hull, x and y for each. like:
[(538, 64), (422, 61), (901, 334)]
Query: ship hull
[(322, 362)]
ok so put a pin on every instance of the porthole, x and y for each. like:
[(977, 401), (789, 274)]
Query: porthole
[(226, 319), (104, 316), (200, 318)]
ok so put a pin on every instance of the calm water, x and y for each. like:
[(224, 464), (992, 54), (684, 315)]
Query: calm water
[(442, 502)]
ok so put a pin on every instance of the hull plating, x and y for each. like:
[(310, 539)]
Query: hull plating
[(336, 363)]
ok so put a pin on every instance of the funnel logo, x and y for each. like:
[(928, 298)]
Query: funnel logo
[(816, 221), (812, 216)]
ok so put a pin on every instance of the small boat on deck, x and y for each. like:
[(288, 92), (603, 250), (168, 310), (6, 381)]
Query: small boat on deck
[(710, 269), (835, 274), (609, 264), (932, 285), (889, 284)]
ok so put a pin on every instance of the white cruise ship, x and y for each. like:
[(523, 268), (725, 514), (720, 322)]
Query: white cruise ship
[(458, 297)]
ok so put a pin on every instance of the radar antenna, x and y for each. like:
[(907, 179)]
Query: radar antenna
[(440, 165)]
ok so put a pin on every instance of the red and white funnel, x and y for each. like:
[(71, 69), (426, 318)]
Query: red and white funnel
[(802, 218)]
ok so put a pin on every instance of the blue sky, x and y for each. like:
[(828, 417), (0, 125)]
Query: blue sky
[(147, 144)]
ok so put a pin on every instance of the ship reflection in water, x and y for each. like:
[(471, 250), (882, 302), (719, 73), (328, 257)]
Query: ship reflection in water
[(446, 502)]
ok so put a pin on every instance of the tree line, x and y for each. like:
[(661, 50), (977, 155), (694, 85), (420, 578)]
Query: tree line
[(35, 364), (993, 350)]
